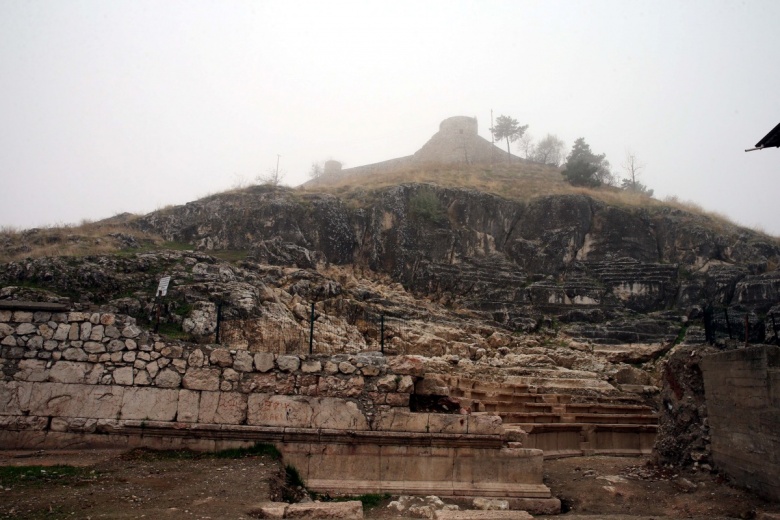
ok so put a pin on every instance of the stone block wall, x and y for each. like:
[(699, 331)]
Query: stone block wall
[(742, 389), (104, 366), (82, 379)]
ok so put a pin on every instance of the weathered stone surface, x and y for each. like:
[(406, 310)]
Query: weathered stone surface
[(149, 404), (69, 372), (744, 445), (31, 370), (9, 398), (86, 331), (5, 330), (406, 385), (280, 410), (131, 331), (94, 347), (61, 334), (370, 371), (341, 387), (387, 383), (69, 400), (168, 379), (107, 319), (142, 378), (172, 351), (220, 357), (243, 361), (311, 366), (26, 328), (259, 383), (485, 425), (401, 400), (482, 515), (264, 361), (201, 379), (123, 376), (202, 320), (395, 420), (408, 365), (97, 333), (345, 367), (74, 354), (288, 363), (196, 358), (352, 510), (490, 504), (189, 406), (268, 510), (22, 317), (222, 408), (230, 375), (116, 345)]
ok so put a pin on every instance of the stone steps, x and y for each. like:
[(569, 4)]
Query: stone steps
[(561, 423), (627, 270), (576, 439), (481, 515)]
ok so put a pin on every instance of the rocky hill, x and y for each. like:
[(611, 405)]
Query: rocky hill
[(570, 290)]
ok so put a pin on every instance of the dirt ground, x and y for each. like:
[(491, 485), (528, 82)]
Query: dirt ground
[(623, 488), (115, 485), (124, 486)]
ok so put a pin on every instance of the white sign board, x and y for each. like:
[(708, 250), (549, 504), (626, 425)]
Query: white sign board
[(162, 289)]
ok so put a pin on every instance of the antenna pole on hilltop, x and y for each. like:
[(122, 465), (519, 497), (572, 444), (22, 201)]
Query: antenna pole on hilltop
[(277, 165)]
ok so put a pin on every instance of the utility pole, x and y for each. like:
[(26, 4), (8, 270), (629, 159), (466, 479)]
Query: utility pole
[(276, 176)]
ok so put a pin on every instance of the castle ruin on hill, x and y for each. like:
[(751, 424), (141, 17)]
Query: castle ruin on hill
[(456, 142)]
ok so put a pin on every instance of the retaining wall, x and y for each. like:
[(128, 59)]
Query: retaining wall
[(86, 379), (742, 390)]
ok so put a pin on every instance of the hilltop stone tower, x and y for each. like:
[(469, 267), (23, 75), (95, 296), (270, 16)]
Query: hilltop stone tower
[(456, 142)]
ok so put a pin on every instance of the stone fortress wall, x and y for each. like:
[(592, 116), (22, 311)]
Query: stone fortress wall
[(456, 142), (746, 444), (90, 379)]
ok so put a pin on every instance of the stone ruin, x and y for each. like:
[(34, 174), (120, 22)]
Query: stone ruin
[(350, 424), (82, 379), (456, 142)]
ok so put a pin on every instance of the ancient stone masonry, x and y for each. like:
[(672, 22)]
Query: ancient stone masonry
[(456, 142), (742, 389), (79, 379)]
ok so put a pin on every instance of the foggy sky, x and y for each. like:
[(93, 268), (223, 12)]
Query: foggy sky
[(117, 106)]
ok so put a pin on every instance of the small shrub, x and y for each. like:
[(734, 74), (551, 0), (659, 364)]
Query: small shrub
[(425, 205), (172, 331), (293, 478), (258, 450), (183, 309)]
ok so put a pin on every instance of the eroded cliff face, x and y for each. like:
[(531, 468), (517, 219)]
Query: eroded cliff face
[(568, 257), (563, 293)]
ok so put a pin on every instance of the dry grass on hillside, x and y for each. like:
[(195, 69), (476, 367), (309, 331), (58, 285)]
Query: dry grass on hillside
[(523, 182), (87, 238)]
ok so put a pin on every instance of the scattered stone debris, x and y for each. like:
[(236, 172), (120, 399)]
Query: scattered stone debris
[(420, 507)]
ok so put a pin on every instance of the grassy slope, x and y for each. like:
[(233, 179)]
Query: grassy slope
[(524, 181)]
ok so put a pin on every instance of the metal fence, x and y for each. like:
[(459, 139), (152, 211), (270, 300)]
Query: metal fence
[(741, 325), (327, 327)]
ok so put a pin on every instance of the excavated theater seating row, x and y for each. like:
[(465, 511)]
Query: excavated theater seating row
[(561, 424)]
